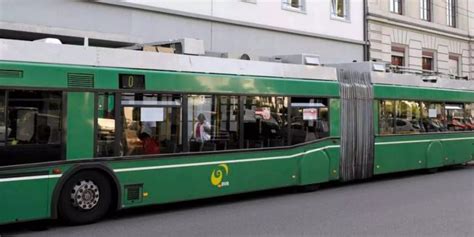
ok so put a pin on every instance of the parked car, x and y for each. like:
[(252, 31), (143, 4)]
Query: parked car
[(456, 125), (402, 126), (406, 126), (469, 123), (433, 125)]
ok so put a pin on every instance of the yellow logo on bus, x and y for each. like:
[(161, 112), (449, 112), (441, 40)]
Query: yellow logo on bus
[(218, 174)]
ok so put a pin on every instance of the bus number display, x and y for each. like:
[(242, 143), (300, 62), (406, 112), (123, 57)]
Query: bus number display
[(129, 81)]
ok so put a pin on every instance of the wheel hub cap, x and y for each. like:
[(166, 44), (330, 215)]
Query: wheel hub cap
[(85, 195)]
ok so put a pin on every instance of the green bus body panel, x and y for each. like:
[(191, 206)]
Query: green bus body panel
[(409, 152), (24, 200), (334, 156), (457, 152), (317, 165), (425, 94), (177, 179), (376, 117), (335, 117), (172, 179), (198, 83), (55, 76), (80, 132), (315, 168), (35, 75), (434, 154), (193, 182)]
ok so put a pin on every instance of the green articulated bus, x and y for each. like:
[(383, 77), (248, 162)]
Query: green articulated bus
[(85, 131)]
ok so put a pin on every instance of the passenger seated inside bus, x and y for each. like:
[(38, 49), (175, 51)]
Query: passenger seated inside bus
[(140, 137), (149, 144)]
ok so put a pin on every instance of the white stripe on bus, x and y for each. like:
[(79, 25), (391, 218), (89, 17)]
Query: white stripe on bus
[(422, 141), (30, 178), (226, 161)]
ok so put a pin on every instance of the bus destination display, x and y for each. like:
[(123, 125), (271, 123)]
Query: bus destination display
[(130, 81)]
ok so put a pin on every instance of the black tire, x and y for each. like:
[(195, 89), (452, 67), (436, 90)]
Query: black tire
[(71, 212), (432, 170), (308, 188)]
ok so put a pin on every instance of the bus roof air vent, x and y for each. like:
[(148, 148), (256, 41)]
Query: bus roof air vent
[(80, 80), (11, 73)]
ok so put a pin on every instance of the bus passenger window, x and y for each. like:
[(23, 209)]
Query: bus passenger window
[(33, 131), (408, 117), (213, 122), (151, 124), (3, 129), (265, 121), (387, 117), (105, 125), (434, 119), (309, 119), (34, 117), (455, 117), (469, 116)]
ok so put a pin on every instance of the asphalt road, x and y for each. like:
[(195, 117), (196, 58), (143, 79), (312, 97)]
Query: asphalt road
[(440, 204)]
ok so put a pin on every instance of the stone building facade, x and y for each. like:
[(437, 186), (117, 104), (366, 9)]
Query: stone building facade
[(431, 35), (332, 29)]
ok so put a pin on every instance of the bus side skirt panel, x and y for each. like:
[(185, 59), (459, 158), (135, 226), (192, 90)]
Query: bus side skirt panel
[(314, 168)]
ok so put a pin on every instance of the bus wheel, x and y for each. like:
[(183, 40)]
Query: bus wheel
[(85, 198), (432, 170), (308, 188)]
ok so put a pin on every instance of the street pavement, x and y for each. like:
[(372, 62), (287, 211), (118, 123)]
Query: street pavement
[(409, 204)]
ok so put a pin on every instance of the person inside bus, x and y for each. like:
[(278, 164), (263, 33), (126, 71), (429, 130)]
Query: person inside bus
[(149, 144), (201, 131)]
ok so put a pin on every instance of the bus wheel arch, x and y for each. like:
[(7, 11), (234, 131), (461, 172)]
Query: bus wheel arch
[(100, 169)]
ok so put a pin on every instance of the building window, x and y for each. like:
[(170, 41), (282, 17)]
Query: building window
[(396, 6), (294, 5), (454, 65), (427, 61), (425, 10), (451, 12), (340, 8), (398, 56)]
